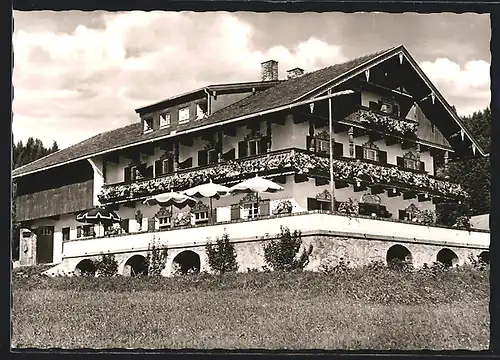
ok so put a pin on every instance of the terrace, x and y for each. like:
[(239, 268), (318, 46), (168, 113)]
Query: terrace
[(309, 222)]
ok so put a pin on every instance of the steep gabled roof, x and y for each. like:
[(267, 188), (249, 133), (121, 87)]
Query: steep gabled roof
[(281, 94)]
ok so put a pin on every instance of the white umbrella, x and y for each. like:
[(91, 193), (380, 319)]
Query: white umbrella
[(256, 185), (208, 190), (171, 199)]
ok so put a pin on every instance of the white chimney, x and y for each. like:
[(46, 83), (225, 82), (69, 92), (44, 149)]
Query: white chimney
[(294, 73)]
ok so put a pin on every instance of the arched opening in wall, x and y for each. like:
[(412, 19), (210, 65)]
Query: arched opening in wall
[(85, 267), (136, 266), (447, 257), (186, 262), (484, 257), (398, 256)]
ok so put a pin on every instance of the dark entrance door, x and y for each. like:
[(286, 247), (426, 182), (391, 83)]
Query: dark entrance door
[(45, 245)]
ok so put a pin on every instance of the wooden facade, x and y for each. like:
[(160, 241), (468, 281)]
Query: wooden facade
[(63, 200)]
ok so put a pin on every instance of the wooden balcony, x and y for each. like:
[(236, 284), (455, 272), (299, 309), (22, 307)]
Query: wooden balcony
[(300, 162)]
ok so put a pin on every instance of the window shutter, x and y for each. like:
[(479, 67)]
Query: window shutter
[(308, 142), (149, 172), (402, 214), (395, 110), (158, 168), (422, 166), (359, 152), (78, 231), (186, 164), (127, 174), (382, 157), (170, 164), (242, 149), (235, 212), (264, 207), (202, 157), (400, 162), (124, 225), (213, 216), (263, 145), (338, 149), (230, 155), (312, 204)]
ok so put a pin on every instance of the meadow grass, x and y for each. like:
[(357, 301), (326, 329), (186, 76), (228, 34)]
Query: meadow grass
[(358, 309)]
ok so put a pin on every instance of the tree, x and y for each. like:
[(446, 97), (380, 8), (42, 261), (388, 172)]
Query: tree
[(222, 255), (281, 253), (472, 174)]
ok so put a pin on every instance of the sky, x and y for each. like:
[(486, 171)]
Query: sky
[(77, 74)]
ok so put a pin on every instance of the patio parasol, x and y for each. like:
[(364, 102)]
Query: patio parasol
[(256, 185), (171, 199), (208, 190), (98, 216)]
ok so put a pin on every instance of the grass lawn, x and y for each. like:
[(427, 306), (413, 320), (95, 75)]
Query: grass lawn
[(357, 310)]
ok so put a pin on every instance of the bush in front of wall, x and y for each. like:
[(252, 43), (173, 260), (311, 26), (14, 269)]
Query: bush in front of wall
[(221, 255), (156, 258), (281, 253), (106, 266)]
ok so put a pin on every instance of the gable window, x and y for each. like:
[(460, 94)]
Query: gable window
[(184, 115), (164, 217), (386, 106), (320, 143), (164, 222), (370, 154), (253, 147), (148, 124), (136, 172), (165, 120), (411, 161)]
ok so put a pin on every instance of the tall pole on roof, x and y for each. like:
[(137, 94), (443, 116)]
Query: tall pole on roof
[(332, 178)]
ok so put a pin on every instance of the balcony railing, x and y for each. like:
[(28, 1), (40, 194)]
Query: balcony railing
[(288, 161), (385, 122)]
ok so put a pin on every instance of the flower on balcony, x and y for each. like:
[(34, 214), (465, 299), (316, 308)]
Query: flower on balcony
[(278, 163), (183, 219), (284, 207), (388, 123), (426, 217), (350, 207)]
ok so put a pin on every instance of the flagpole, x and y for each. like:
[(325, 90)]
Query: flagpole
[(332, 180)]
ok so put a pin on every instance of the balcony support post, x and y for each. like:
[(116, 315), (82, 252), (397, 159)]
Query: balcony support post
[(332, 179)]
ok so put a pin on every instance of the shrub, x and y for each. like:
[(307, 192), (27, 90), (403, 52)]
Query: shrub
[(221, 255), (281, 253), (156, 258), (400, 265), (106, 266), (327, 266)]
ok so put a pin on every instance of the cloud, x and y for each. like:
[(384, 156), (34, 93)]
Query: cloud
[(470, 81), (96, 77), (78, 74)]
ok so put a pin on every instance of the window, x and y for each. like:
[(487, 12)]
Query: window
[(46, 231), (65, 233), (183, 115), (250, 211), (165, 120), (164, 222), (85, 230), (167, 166), (370, 154), (213, 156), (148, 124), (410, 164), (317, 204), (201, 217), (200, 112), (253, 147), (323, 146)]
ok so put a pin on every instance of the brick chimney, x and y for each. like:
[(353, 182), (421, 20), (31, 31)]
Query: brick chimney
[(269, 70), (294, 73)]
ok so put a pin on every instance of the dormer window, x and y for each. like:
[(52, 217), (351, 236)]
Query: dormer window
[(184, 115), (370, 151), (148, 124), (165, 120)]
